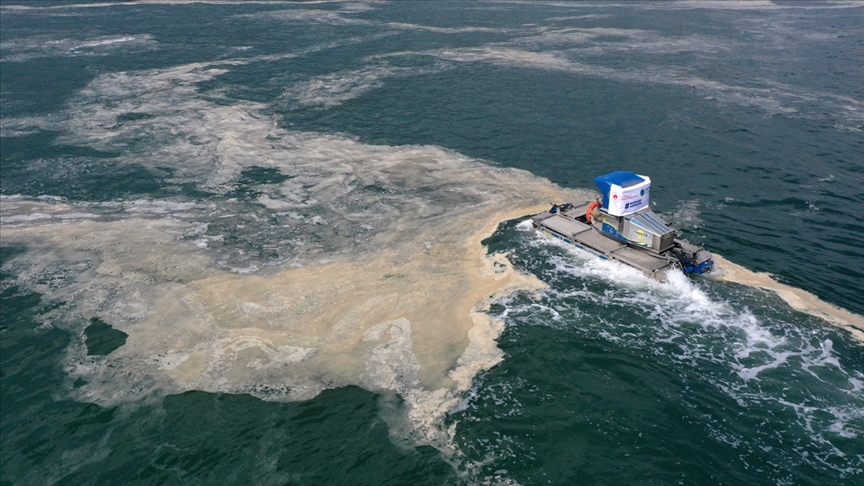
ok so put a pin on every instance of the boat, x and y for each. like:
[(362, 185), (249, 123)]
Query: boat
[(620, 226)]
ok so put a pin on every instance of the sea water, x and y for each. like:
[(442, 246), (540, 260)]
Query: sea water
[(242, 243)]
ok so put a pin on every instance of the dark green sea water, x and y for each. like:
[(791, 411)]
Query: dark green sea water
[(748, 117)]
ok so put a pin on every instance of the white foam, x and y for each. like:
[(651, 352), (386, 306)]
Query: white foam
[(444, 30), (334, 89), (400, 256), (76, 215), (24, 217), (66, 6), (680, 304), (23, 126), (310, 15), (29, 218), (154, 206), (605, 40), (684, 320), (720, 4), (26, 48), (579, 17), (250, 269), (766, 99), (754, 5), (526, 225), (105, 42), (277, 204), (757, 5), (575, 51)]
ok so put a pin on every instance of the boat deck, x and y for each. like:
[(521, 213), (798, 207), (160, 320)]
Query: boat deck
[(583, 234)]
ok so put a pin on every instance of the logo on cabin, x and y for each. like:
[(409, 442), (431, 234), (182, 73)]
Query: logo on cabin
[(615, 196), (642, 192)]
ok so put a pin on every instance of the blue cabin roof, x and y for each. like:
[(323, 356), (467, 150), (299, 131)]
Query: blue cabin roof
[(619, 178)]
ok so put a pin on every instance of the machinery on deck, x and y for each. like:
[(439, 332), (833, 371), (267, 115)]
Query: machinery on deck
[(621, 226)]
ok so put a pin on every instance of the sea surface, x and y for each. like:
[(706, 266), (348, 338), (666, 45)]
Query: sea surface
[(203, 204)]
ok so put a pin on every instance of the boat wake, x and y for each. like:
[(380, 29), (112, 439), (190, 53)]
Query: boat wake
[(798, 299), (746, 345)]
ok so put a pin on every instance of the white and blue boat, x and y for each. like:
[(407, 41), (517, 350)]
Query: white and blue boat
[(620, 226)]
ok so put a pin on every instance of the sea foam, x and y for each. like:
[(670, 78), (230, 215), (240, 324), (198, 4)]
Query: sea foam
[(386, 289)]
